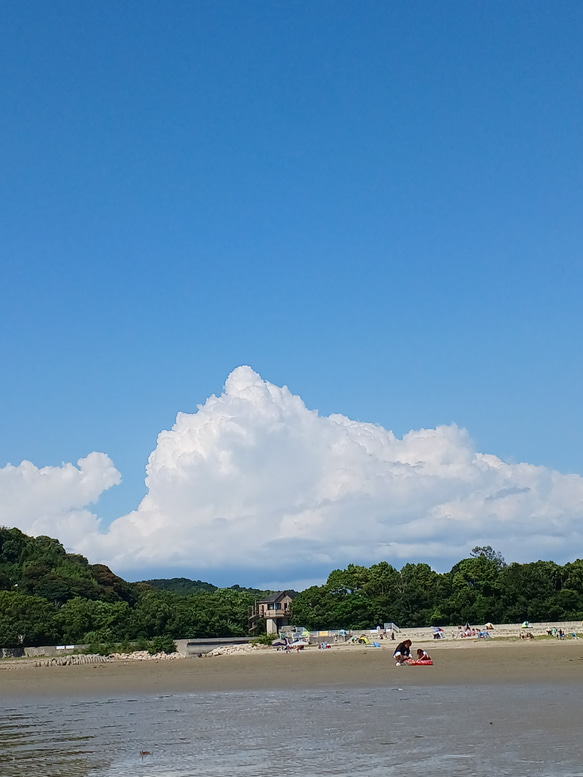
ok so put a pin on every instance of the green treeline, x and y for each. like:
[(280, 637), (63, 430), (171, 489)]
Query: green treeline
[(476, 590), (48, 596)]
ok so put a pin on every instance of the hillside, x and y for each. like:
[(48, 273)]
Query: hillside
[(40, 566)]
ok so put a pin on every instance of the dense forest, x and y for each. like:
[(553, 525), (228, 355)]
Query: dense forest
[(49, 596)]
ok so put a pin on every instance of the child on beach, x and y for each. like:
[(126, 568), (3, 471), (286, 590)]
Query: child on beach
[(423, 655)]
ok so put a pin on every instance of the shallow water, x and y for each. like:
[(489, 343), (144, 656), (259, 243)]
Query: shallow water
[(521, 730)]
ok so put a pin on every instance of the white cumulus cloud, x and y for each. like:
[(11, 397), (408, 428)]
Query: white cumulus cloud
[(53, 500), (254, 480)]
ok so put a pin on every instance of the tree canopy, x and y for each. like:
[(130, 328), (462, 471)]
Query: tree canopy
[(477, 589)]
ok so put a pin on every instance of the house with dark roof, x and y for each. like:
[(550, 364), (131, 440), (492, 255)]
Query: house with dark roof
[(275, 609)]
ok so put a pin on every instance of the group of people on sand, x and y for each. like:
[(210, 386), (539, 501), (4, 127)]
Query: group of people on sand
[(402, 654), (558, 633)]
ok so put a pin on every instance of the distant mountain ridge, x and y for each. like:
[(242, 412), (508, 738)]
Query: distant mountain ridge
[(183, 586), (180, 585)]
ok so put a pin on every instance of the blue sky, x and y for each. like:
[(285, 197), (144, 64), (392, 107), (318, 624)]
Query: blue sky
[(376, 204)]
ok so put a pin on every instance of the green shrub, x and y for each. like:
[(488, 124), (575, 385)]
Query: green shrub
[(163, 644), (99, 649), (264, 639)]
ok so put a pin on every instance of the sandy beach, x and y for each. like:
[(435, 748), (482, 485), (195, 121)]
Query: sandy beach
[(548, 661)]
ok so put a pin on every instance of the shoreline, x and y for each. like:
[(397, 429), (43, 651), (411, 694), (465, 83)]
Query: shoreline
[(465, 662)]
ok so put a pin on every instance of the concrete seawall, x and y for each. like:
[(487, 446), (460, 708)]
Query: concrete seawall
[(186, 647), (192, 647)]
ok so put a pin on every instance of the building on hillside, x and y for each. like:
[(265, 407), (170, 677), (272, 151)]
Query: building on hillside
[(275, 609)]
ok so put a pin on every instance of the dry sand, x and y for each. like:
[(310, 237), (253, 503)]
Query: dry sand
[(548, 661)]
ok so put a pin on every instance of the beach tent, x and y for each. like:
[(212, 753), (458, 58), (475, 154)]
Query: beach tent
[(489, 625), (525, 625)]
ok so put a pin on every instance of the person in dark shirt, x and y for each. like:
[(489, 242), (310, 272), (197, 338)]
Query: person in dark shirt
[(402, 652)]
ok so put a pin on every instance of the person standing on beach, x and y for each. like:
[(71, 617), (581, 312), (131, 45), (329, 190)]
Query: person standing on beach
[(402, 652)]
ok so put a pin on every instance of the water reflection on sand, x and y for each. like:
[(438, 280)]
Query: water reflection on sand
[(525, 730)]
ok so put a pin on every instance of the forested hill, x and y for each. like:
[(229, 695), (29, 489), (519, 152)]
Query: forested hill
[(40, 566), (183, 586)]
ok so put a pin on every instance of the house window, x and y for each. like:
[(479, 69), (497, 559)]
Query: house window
[(278, 606), (271, 607)]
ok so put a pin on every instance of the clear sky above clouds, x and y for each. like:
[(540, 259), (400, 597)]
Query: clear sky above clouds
[(376, 204)]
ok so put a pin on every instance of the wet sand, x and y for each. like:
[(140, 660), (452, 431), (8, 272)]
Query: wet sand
[(342, 667)]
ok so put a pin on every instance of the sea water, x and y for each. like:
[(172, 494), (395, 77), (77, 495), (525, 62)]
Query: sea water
[(478, 730)]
